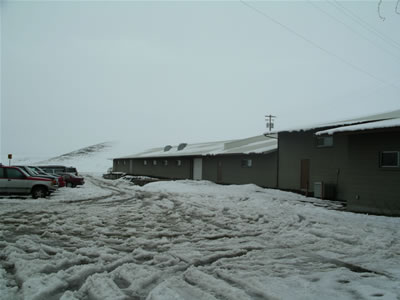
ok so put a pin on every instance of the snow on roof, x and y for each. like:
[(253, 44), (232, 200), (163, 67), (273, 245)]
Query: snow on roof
[(256, 144), (356, 120), (365, 126)]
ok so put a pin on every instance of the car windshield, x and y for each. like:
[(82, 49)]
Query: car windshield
[(25, 170), (48, 171), (39, 170), (53, 170), (32, 170)]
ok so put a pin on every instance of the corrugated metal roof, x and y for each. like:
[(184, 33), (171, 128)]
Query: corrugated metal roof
[(376, 117), (365, 126), (256, 144)]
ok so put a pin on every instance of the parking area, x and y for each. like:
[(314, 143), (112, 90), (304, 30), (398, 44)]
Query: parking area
[(192, 240), (36, 181)]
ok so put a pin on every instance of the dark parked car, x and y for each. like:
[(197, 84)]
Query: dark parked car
[(32, 172), (14, 180), (58, 169), (60, 179), (72, 180)]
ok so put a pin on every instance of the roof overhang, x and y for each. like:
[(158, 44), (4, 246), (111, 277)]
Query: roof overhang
[(364, 127), (395, 114)]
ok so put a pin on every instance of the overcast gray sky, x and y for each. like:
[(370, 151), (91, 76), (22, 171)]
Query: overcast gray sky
[(154, 73)]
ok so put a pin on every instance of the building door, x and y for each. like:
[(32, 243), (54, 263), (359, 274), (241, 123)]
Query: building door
[(305, 175), (219, 171), (197, 168)]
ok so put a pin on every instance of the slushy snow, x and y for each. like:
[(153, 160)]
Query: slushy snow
[(193, 240)]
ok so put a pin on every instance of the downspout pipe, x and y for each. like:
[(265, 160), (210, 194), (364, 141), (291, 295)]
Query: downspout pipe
[(277, 157)]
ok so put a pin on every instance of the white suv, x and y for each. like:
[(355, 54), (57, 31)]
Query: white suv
[(13, 180)]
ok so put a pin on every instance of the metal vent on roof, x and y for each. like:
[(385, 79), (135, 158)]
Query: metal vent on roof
[(181, 146), (167, 148)]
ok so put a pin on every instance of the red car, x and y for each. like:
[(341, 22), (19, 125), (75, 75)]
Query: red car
[(61, 181), (72, 180)]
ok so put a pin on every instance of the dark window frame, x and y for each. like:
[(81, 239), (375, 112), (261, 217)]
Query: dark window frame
[(381, 165), (324, 139), (247, 163)]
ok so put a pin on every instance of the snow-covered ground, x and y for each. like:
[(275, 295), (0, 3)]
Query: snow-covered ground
[(193, 240)]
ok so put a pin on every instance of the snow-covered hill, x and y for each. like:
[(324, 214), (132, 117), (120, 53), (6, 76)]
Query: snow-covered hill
[(95, 158)]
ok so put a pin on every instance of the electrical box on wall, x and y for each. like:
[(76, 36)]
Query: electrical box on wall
[(324, 191), (318, 186)]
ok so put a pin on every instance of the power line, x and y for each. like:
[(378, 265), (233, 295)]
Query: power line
[(379, 11), (353, 66), (393, 83), (354, 31), (364, 24)]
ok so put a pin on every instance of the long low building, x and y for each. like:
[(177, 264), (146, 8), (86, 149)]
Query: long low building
[(356, 160), (250, 160)]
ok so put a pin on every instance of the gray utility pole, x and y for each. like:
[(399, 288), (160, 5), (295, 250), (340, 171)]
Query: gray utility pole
[(270, 121)]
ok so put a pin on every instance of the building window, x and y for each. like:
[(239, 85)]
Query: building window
[(324, 141), (179, 163), (154, 162), (145, 162), (390, 159), (165, 162), (117, 162), (247, 163), (124, 162)]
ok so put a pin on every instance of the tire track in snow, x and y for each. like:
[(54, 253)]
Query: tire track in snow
[(141, 244)]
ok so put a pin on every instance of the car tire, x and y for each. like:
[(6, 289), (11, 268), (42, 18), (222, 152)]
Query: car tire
[(69, 184), (39, 192), (74, 185)]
